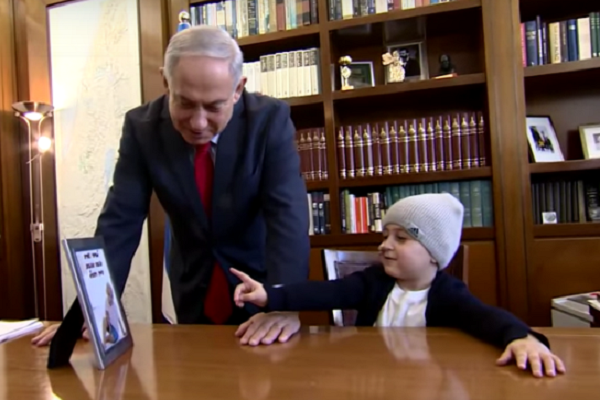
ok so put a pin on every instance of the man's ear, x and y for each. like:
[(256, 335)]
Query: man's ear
[(164, 78), (239, 89)]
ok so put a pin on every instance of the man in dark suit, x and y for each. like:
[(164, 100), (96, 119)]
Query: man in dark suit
[(224, 166)]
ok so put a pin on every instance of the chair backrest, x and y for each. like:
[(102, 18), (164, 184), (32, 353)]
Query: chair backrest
[(340, 263)]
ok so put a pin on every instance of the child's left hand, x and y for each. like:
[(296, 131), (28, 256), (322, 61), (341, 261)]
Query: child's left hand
[(529, 350)]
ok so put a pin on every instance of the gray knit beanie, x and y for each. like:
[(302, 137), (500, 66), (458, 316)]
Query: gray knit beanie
[(435, 220)]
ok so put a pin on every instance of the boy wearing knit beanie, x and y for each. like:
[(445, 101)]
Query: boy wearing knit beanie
[(410, 288)]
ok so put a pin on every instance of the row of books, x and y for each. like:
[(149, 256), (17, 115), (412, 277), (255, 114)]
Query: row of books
[(441, 143), (560, 41), (364, 213), (243, 18), (318, 211), (312, 149), (284, 75), (562, 201), (347, 9)]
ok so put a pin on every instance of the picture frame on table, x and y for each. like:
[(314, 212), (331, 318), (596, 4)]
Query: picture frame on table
[(414, 57), (102, 309), (542, 139), (590, 140)]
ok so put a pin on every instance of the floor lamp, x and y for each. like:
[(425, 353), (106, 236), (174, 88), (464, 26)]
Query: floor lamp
[(33, 114)]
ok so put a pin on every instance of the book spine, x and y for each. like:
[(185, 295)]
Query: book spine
[(431, 153), (572, 40), (465, 199), (422, 145), (584, 38), (377, 165), (368, 151), (439, 144), (532, 43), (447, 132), (386, 154), (465, 141), (403, 147), (350, 168), (475, 161), (317, 155), (456, 145), (413, 147), (481, 139), (476, 204), (341, 152), (325, 165)]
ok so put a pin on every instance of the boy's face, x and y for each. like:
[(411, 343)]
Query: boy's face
[(403, 257)]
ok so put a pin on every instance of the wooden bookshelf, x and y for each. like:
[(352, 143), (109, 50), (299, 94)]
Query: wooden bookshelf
[(590, 229), (564, 166), (563, 68), (313, 186), (397, 15), (273, 37), (372, 239), (481, 37), (419, 177), (397, 88)]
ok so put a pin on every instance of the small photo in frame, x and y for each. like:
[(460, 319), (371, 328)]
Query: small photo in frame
[(542, 140), (102, 309), (590, 140), (415, 60), (362, 74)]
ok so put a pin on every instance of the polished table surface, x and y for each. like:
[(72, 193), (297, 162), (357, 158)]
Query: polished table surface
[(203, 362)]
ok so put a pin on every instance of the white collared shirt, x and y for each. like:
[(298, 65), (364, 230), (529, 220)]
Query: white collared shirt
[(404, 308)]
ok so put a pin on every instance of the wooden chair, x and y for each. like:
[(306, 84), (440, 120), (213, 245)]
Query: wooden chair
[(340, 263)]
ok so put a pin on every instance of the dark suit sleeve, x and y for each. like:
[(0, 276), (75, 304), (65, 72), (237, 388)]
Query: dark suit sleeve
[(125, 208), (346, 294), (490, 324), (284, 204)]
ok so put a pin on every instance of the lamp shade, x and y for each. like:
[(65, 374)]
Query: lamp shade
[(32, 110)]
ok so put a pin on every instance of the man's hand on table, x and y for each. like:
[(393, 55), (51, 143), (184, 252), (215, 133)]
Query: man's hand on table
[(530, 351), (45, 337), (268, 328)]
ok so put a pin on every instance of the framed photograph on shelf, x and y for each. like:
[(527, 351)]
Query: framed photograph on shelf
[(362, 74), (414, 57), (590, 140), (542, 139)]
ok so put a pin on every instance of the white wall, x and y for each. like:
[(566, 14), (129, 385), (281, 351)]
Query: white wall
[(95, 62)]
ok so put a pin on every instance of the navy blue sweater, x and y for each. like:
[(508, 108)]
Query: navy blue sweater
[(449, 304)]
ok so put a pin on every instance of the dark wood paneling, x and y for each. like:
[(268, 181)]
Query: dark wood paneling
[(570, 101), (153, 42), (16, 289), (561, 267), (482, 274), (33, 83), (506, 102)]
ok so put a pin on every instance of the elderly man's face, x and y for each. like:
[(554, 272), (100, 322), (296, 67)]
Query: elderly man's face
[(202, 94)]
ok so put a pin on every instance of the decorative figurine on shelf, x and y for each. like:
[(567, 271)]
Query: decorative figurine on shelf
[(395, 67), (447, 69), (346, 72), (184, 21)]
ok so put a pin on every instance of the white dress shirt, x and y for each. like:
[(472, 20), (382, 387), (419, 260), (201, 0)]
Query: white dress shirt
[(404, 308)]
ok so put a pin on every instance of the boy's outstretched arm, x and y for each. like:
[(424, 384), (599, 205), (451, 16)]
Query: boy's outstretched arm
[(347, 293)]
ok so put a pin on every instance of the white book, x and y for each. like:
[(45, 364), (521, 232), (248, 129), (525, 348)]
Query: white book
[(347, 9), (271, 75), (257, 77), (239, 18), (311, 227), (306, 70), (554, 42), (285, 79), (314, 71), (13, 330), (300, 72), (292, 74), (381, 6), (264, 78), (278, 80), (585, 38)]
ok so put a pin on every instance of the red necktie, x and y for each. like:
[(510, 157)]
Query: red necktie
[(217, 305)]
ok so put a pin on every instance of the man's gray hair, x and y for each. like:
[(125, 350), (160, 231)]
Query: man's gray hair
[(206, 41)]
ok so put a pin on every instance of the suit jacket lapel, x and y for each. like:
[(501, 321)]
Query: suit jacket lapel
[(226, 163), (180, 158)]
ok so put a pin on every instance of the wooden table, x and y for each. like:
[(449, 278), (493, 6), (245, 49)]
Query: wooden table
[(201, 362)]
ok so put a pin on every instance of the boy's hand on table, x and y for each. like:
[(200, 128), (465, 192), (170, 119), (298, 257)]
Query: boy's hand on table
[(45, 336), (249, 290), (530, 351)]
